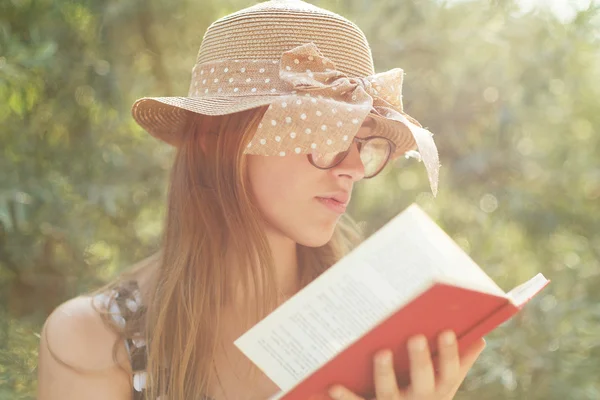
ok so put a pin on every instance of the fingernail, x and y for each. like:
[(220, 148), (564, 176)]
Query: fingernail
[(385, 358), (418, 343), (336, 392), (448, 338)]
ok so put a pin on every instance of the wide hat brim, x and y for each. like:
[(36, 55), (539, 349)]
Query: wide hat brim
[(311, 106), (165, 117)]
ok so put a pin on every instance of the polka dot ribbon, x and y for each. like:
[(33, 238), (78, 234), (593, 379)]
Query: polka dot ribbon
[(325, 109), (315, 107)]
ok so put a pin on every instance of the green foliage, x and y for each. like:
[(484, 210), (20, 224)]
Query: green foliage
[(511, 96)]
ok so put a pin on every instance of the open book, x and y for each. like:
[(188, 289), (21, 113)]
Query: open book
[(407, 278)]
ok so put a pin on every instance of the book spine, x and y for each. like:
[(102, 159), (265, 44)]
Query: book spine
[(487, 325)]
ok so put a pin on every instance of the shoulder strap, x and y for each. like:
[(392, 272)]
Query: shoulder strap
[(127, 303)]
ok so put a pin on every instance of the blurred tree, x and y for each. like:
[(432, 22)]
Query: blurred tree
[(511, 96)]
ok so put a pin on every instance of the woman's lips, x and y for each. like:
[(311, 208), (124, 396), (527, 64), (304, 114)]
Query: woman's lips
[(334, 205)]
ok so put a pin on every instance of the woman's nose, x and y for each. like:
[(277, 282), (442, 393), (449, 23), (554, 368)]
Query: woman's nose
[(352, 166)]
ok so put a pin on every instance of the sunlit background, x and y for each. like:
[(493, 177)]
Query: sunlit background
[(510, 89)]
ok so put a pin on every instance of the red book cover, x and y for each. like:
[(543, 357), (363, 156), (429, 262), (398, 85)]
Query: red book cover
[(471, 314)]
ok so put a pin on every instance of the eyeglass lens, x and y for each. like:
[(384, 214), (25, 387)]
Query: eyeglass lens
[(374, 153)]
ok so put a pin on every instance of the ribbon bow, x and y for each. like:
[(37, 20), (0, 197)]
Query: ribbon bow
[(306, 69), (351, 100)]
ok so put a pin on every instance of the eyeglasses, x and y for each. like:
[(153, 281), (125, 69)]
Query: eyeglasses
[(374, 152)]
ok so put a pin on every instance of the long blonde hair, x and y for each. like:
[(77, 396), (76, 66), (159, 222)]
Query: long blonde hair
[(210, 208)]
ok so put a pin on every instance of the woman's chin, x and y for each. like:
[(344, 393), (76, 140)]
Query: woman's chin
[(316, 238)]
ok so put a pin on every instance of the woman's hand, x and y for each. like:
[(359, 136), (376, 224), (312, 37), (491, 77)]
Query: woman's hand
[(425, 384)]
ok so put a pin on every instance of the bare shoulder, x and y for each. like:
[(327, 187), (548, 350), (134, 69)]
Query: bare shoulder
[(76, 355)]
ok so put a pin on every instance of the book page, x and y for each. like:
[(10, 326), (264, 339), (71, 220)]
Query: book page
[(524, 292), (386, 271), (320, 321), (448, 258)]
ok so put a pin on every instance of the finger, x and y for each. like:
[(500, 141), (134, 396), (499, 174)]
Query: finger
[(339, 392), (449, 363), (386, 385), (422, 379)]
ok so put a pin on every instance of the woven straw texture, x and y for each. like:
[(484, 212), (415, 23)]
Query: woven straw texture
[(314, 70), (266, 30)]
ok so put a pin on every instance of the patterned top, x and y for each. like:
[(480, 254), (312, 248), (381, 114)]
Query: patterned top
[(127, 304)]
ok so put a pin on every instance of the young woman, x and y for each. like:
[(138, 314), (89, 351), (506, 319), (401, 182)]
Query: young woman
[(284, 115)]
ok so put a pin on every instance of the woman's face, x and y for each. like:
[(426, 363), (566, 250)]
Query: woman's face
[(300, 201)]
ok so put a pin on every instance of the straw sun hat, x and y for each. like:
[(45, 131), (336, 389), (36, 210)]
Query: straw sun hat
[(314, 70)]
